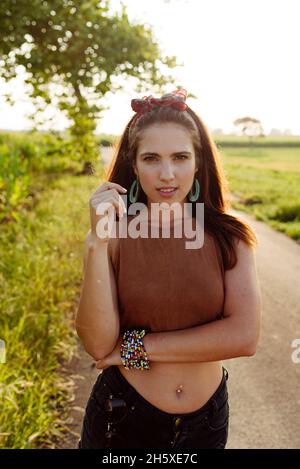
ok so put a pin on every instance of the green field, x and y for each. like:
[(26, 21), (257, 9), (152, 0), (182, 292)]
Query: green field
[(268, 141), (266, 182)]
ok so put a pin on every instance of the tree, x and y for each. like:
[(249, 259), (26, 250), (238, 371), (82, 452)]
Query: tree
[(78, 46), (249, 126)]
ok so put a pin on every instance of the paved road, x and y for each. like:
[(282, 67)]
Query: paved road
[(265, 389)]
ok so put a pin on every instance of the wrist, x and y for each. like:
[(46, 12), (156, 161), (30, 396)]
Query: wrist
[(148, 345), (94, 241), (132, 350)]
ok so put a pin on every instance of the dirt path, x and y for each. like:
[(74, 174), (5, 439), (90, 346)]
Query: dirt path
[(83, 373)]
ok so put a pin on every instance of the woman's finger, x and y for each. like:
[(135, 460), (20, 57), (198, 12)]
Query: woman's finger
[(112, 203), (108, 195), (116, 205), (110, 185)]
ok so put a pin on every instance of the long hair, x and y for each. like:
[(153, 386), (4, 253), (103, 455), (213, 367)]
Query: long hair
[(226, 229)]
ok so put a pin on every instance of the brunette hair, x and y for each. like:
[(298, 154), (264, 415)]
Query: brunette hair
[(225, 228)]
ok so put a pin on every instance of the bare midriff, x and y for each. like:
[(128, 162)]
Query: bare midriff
[(176, 387)]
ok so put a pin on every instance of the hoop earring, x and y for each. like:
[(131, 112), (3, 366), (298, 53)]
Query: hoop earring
[(193, 197), (133, 197)]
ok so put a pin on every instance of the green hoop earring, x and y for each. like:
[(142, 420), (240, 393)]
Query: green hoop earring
[(193, 197), (133, 198)]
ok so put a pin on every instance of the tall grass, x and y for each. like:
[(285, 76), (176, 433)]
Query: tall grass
[(40, 275), (22, 157)]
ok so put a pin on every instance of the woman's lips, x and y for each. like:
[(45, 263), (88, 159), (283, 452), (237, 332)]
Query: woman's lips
[(167, 193)]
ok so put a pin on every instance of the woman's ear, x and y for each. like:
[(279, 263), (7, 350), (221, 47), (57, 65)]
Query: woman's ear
[(198, 166)]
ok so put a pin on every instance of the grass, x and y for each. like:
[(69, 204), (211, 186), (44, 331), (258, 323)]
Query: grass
[(23, 156), (267, 185), (40, 276)]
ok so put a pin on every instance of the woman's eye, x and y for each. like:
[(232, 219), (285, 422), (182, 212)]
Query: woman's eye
[(182, 157)]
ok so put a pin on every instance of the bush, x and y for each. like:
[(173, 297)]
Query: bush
[(287, 213)]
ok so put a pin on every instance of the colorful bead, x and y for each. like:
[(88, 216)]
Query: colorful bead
[(132, 350)]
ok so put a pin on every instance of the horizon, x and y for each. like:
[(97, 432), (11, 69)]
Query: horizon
[(266, 135)]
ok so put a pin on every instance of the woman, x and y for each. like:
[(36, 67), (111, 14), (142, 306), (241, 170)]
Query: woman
[(157, 317)]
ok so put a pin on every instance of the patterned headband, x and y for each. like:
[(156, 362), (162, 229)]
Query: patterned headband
[(176, 99)]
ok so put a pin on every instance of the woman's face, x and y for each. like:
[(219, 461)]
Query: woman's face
[(166, 158)]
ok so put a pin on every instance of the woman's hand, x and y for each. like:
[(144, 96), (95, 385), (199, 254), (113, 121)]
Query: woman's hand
[(114, 358), (107, 195)]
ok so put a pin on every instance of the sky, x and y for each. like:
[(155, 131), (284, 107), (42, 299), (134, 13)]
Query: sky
[(239, 58)]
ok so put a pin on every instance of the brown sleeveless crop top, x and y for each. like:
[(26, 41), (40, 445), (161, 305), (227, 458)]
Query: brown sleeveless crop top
[(163, 286)]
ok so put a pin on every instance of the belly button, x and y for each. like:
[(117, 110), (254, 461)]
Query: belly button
[(179, 389)]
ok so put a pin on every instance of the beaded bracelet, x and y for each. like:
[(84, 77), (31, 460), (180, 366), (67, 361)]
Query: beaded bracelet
[(132, 350)]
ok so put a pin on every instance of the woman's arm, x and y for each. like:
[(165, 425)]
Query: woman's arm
[(235, 335), (97, 319)]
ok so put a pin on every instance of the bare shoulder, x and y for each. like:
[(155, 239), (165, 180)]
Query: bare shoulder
[(246, 258), (244, 251), (246, 262), (241, 282)]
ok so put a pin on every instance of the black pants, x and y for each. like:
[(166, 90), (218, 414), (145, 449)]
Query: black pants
[(117, 416)]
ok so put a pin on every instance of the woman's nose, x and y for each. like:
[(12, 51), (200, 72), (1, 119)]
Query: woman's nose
[(167, 172)]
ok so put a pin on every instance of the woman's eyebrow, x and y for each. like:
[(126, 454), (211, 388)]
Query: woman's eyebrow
[(173, 154)]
